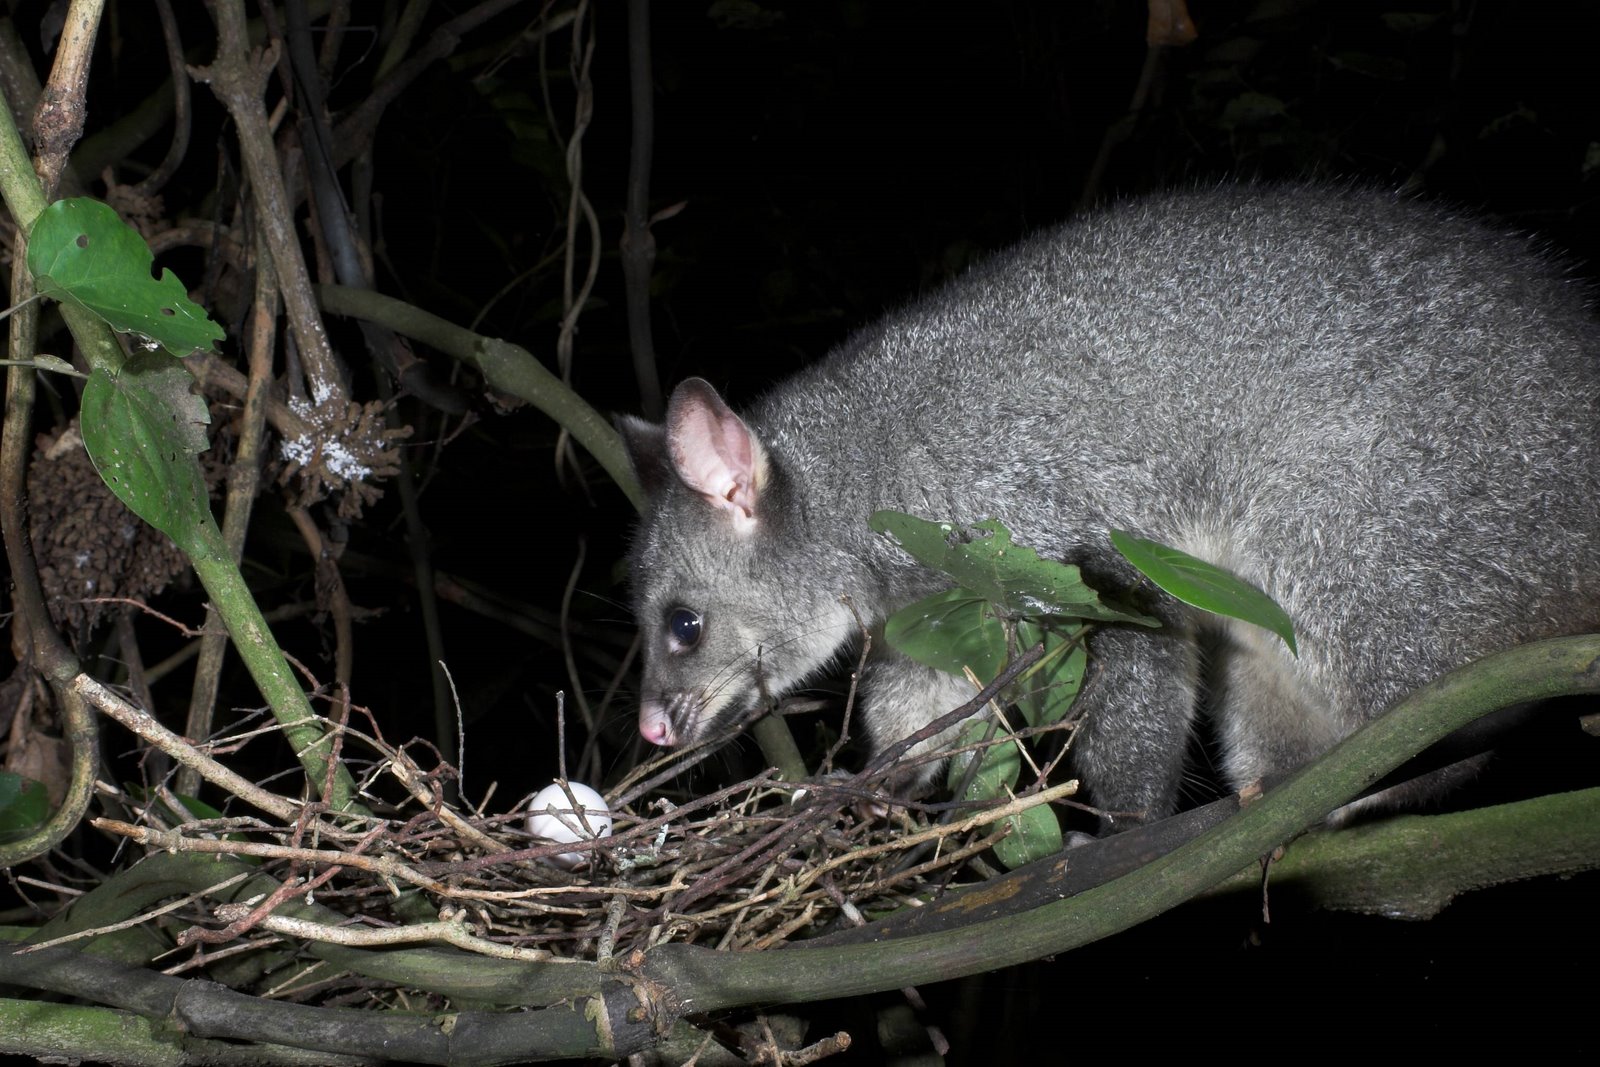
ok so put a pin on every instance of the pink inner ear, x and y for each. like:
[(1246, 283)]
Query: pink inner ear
[(714, 452)]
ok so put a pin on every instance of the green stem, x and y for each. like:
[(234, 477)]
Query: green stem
[(225, 585), (506, 366)]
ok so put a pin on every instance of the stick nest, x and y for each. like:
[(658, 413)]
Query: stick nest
[(749, 867)]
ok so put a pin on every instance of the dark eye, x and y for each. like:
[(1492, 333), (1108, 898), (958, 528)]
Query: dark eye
[(685, 626)]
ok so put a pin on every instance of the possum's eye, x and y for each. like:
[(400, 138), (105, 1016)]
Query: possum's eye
[(685, 626)]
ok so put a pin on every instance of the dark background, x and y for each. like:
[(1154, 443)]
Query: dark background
[(832, 160)]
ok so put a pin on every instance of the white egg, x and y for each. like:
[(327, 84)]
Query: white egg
[(551, 816)]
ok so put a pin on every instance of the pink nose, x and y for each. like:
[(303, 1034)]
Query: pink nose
[(655, 725)]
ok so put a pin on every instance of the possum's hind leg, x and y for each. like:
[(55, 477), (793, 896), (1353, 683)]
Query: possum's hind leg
[(1138, 706), (1268, 715)]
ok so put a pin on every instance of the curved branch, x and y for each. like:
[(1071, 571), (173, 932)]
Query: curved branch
[(44, 647), (179, 146), (507, 367), (716, 980)]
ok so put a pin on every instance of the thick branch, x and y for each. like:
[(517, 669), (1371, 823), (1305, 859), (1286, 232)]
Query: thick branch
[(716, 980)]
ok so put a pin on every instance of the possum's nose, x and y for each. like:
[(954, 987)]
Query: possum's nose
[(655, 724)]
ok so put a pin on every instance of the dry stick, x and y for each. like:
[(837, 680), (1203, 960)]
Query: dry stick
[(244, 480), (384, 866), (408, 774), (252, 915), (452, 931), (804, 879), (58, 122), (639, 831), (239, 82), (754, 855), (142, 917), (984, 817), (145, 725)]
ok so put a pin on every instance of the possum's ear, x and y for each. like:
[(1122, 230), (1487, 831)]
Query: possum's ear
[(714, 453)]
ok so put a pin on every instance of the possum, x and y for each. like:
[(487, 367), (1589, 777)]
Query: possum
[(1381, 412)]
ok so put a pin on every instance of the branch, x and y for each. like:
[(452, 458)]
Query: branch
[(244, 481), (505, 366), (143, 724), (58, 122), (713, 981), (1413, 866), (74, 1033), (238, 80), (609, 1025)]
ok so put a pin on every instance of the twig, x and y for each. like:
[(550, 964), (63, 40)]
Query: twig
[(244, 479), (145, 725), (452, 931), (142, 917), (58, 122)]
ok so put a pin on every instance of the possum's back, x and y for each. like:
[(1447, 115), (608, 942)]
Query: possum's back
[(1383, 414)]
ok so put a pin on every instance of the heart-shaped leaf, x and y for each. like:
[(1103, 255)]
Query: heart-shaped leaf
[(143, 428)]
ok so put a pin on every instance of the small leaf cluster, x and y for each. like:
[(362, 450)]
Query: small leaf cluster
[(1006, 598)]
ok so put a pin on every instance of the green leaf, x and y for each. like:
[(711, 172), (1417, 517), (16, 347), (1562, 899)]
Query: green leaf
[(1035, 835), (1210, 588), (143, 429), (24, 806), (80, 252), (1046, 691), (948, 631), (983, 560), (999, 764)]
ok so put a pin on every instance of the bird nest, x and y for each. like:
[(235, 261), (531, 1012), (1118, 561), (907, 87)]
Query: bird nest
[(747, 867)]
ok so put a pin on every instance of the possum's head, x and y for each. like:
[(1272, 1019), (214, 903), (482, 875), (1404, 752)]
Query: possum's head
[(727, 588)]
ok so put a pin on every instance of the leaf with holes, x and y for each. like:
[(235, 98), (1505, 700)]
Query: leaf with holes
[(143, 429), (80, 252)]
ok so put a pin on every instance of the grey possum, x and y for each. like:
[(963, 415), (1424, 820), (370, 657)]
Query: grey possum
[(1381, 413)]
